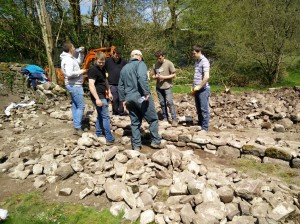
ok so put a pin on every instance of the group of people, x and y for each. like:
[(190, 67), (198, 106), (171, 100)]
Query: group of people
[(126, 84)]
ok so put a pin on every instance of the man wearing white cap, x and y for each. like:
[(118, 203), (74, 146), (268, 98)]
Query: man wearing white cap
[(134, 92)]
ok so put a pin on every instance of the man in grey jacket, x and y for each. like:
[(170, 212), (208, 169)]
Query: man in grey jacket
[(73, 81), (133, 85)]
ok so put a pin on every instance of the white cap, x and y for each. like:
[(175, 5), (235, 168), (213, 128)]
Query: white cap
[(136, 52)]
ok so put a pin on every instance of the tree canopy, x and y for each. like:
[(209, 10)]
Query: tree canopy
[(246, 40)]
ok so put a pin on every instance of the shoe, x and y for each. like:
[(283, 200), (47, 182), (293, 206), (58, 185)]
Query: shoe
[(161, 145), (110, 143), (78, 131), (174, 123), (137, 148)]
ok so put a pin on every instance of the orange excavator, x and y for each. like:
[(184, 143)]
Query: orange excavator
[(89, 58)]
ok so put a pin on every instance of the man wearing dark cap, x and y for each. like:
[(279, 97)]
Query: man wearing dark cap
[(113, 66)]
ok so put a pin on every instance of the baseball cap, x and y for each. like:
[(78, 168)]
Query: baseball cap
[(136, 52)]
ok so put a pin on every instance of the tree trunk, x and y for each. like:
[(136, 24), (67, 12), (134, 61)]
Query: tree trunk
[(173, 6), (59, 8), (75, 6), (47, 35), (92, 24), (101, 6)]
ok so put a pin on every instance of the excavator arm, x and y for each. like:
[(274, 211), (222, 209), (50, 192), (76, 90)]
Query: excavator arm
[(89, 58)]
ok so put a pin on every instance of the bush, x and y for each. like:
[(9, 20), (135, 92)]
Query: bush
[(184, 76)]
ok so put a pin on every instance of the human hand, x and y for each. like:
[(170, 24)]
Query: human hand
[(197, 88), (125, 108), (99, 103), (110, 96)]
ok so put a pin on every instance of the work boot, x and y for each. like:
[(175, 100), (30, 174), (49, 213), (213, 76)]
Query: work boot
[(78, 131), (162, 144), (137, 148), (110, 143), (174, 123)]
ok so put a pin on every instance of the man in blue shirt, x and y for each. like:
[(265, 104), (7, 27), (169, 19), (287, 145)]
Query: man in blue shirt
[(201, 87)]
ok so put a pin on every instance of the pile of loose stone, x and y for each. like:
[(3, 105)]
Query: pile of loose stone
[(169, 186), (276, 109), (223, 143)]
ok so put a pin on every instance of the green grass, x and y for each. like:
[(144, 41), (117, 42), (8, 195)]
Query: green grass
[(292, 79), (255, 169), (32, 209)]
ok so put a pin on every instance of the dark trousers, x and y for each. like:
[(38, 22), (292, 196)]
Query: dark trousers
[(117, 107), (138, 111)]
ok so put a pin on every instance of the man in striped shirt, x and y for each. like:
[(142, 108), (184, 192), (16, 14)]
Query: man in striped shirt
[(201, 87)]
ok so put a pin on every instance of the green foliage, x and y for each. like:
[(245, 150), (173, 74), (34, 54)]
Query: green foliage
[(32, 209), (184, 77), (247, 42), (9, 79)]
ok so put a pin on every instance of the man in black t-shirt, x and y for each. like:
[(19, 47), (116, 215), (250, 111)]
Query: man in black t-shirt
[(113, 66), (98, 86)]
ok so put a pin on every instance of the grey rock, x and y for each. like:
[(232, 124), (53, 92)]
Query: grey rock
[(278, 128), (135, 166), (227, 151), (204, 218), (248, 188), (64, 172), (280, 153), (195, 186), (37, 169), (114, 189), (76, 166), (178, 188), (85, 192), (147, 199), (159, 207), (214, 209), (175, 156), (281, 211), (226, 194), (276, 161), (187, 214), (118, 207), (147, 216), (231, 210), (260, 209), (210, 195), (159, 219), (65, 192), (243, 219), (162, 157), (132, 214), (296, 163), (129, 197)]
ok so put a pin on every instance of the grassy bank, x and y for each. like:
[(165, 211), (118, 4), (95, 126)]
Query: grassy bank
[(292, 79), (32, 209)]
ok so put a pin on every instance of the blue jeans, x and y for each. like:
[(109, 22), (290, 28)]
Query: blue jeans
[(103, 121), (136, 112), (165, 97), (202, 106), (78, 104)]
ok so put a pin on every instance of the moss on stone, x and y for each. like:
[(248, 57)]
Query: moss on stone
[(247, 148), (277, 154)]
